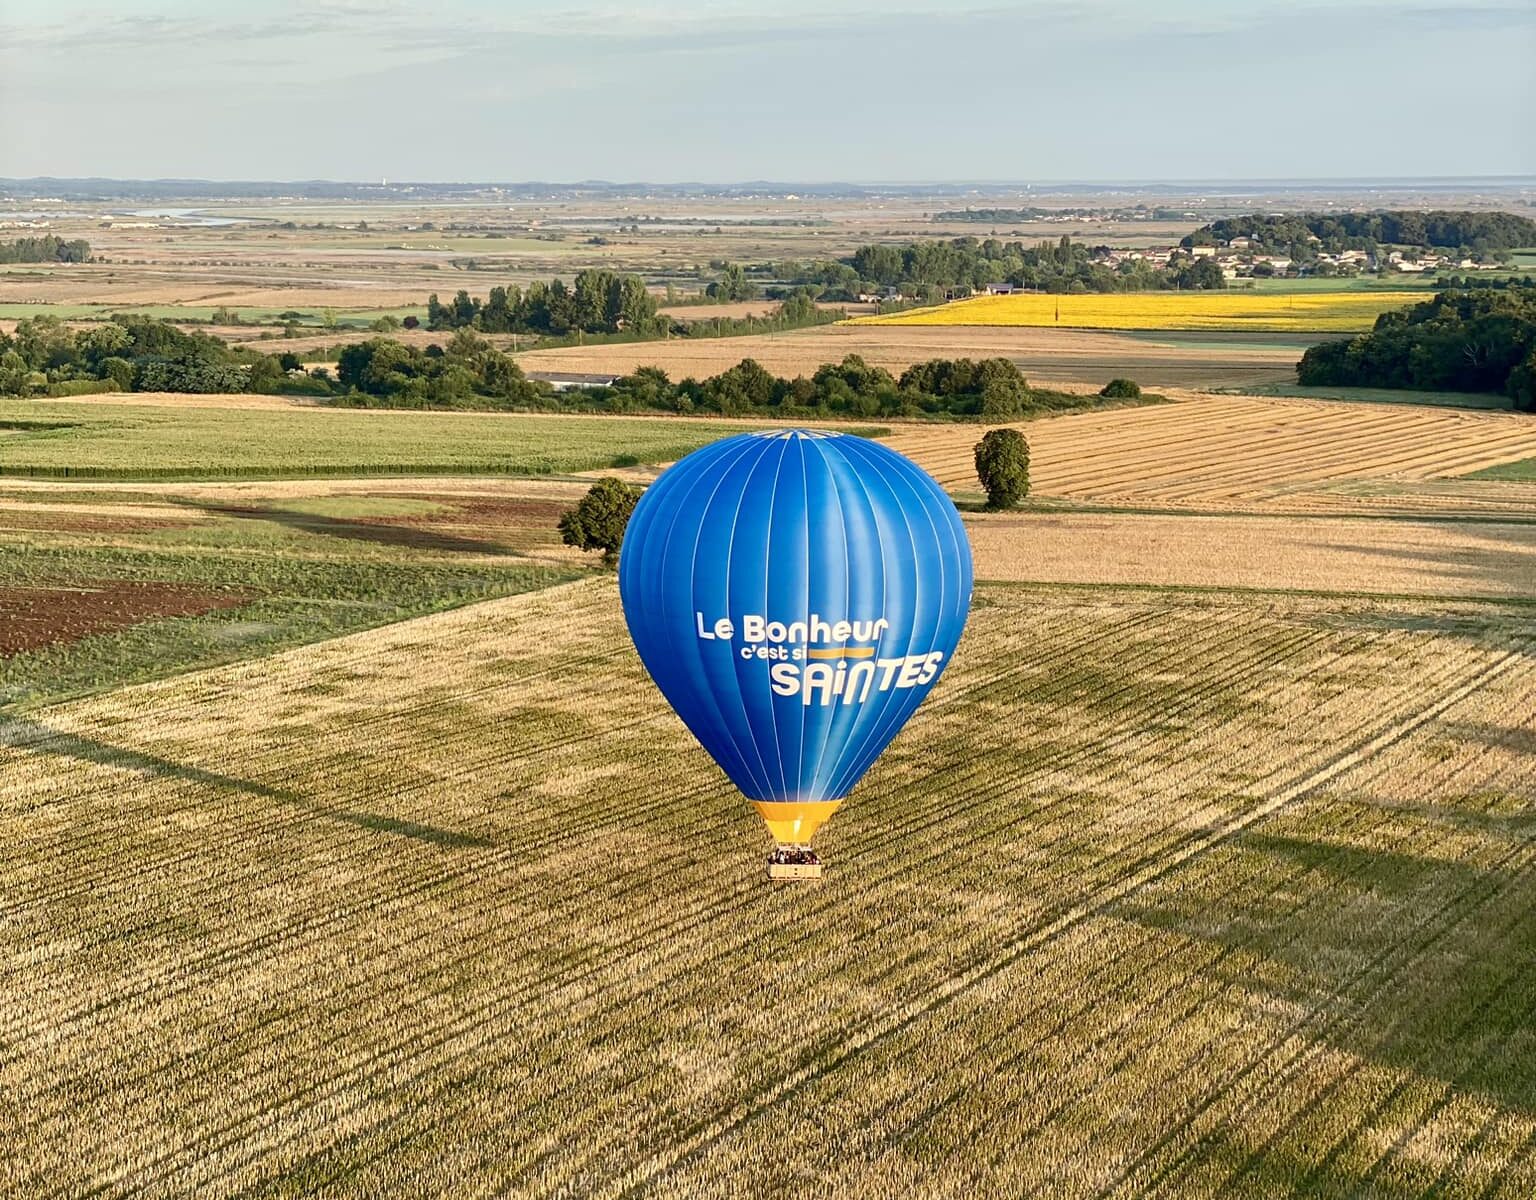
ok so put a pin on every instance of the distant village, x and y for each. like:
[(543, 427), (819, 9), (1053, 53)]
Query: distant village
[(1240, 259)]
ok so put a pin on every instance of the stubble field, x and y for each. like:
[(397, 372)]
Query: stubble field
[(1202, 896), (1238, 452), (1076, 357)]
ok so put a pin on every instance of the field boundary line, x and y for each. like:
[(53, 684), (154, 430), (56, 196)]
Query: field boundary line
[(641, 1177)]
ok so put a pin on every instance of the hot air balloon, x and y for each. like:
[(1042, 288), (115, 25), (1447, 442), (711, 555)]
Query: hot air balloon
[(795, 594)]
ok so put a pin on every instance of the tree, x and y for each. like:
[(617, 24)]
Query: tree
[(266, 375), (1121, 389), (1004, 392), (1002, 465), (733, 284), (600, 517), (1522, 384)]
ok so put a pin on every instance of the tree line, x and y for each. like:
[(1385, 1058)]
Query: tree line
[(1302, 236), (47, 248), (597, 302), (1019, 216), (1463, 341), (603, 303), (44, 356), (130, 353), (930, 268), (470, 373)]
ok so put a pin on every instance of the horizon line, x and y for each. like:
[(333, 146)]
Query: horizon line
[(383, 181)]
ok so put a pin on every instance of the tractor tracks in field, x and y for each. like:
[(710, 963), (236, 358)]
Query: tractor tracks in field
[(1151, 870)]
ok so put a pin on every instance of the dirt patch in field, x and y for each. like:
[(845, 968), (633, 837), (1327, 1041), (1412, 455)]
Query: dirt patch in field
[(34, 617), (485, 513)]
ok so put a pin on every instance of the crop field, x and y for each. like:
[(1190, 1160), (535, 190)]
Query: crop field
[(105, 584), (1485, 400), (1236, 451), (1198, 894), (346, 850), (1318, 554), (1049, 356), (1330, 312), (356, 319), (197, 440), (1523, 471)]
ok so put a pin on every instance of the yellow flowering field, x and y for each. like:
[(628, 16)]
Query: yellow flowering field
[(1270, 312)]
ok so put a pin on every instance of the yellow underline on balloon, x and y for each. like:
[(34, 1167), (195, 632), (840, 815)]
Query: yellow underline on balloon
[(850, 652)]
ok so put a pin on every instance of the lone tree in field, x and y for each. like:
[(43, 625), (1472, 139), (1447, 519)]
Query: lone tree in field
[(1002, 465), (599, 518), (1121, 389)]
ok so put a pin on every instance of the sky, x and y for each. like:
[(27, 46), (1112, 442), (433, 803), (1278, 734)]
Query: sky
[(788, 90)]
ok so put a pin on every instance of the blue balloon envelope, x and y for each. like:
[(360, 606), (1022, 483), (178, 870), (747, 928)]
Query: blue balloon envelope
[(795, 594)]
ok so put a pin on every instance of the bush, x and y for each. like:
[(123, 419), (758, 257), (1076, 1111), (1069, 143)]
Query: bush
[(1121, 389), (598, 521), (1002, 465)]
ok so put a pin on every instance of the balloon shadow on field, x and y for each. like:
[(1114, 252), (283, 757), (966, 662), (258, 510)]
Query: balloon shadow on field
[(380, 534), (1498, 568), (1455, 935), (22, 734)]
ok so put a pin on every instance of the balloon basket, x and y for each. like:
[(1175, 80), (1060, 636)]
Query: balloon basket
[(794, 862)]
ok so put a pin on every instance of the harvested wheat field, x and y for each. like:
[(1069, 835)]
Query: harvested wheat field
[(97, 285), (1076, 357), (723, 311), (253, 400), (1327, 554), (1221, 451), (1209, 895)]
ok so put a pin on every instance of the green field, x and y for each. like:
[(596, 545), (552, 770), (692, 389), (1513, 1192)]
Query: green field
[(264, 571), (1478, 400), (1198, 896), (172, 441), (1523, 471), (1335, 283)]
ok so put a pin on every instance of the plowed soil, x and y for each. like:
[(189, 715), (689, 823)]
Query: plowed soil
[(33, 617)]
